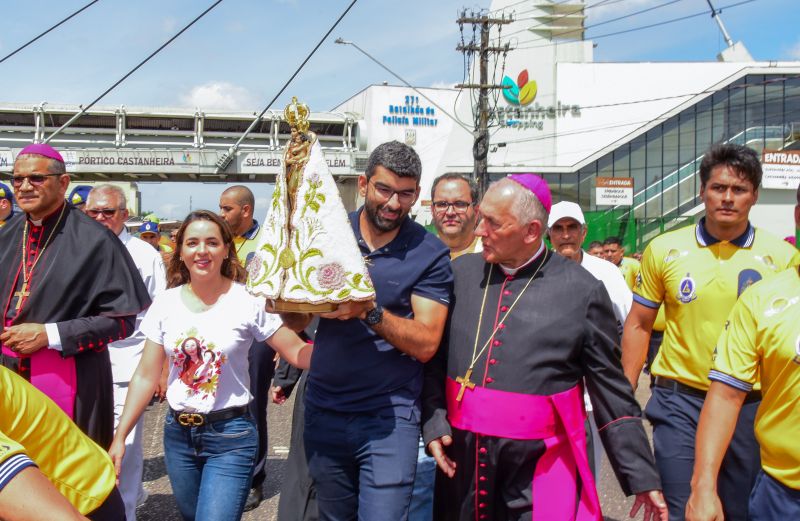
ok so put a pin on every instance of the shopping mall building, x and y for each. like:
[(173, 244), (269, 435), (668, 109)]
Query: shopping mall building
[(578, 122)]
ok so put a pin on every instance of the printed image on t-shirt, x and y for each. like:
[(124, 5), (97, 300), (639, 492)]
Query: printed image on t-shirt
[(199, 364)]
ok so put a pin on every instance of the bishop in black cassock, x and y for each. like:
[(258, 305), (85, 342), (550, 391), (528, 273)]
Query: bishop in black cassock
[(506, 385), (60, 268)]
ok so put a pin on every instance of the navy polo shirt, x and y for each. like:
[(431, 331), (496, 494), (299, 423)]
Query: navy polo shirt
[(354, 370)]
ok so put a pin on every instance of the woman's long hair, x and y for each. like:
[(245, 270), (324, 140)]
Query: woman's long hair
[(178, 273)]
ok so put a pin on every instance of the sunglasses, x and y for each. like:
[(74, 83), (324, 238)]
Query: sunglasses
[(107, 212), (35, 179)]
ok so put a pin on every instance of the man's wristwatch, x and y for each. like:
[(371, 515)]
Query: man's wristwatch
[(374, 315)]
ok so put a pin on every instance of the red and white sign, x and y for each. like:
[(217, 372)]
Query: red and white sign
[(781, 169), (614, 191)]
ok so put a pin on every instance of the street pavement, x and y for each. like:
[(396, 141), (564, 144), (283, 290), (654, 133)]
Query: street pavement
[(160, 505)]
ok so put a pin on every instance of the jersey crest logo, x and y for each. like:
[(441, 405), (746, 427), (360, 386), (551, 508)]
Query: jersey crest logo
[(746, 279), (686, 289)]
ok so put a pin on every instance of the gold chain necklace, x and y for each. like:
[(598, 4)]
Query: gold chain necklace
[(24, 293), (465, 380)]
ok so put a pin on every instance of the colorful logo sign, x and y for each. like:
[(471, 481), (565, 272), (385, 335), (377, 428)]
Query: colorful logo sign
[(522, 92)]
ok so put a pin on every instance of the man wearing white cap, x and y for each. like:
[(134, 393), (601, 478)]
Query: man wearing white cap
[(567, 230)]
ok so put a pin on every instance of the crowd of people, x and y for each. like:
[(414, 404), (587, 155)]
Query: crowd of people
[(497, 362)]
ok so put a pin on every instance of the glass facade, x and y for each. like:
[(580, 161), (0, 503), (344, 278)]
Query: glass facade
[(760, 111)]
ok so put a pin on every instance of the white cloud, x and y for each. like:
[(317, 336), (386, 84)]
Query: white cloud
[(794, 51), (220, 95), (169, 24), (443, 85)]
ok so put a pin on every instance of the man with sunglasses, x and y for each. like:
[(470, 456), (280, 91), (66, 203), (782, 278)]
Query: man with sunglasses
[(107, 204), (362, 417), (453, 200), (69, 289), (6, 204)]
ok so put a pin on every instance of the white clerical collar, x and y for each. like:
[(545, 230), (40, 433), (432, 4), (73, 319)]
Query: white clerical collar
[(513, 271)]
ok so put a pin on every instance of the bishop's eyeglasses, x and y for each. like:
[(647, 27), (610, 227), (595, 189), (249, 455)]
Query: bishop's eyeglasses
[(34, 179)]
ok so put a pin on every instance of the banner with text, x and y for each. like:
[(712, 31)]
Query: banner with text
[(781, 169), (614, 191)]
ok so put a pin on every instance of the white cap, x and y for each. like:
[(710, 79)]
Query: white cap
[(565, 209)]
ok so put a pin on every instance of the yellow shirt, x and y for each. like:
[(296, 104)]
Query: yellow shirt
[(761, 344), (246, 244), (630, 271), (698, 279), (33, 428)]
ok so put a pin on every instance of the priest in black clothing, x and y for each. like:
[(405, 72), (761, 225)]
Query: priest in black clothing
[(503, 406), (68, 288)]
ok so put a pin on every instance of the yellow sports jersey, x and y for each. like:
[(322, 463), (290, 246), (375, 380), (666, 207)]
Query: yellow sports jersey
[(34, 430), (761, 344), (246, 244), (698, 279), (630, 270)]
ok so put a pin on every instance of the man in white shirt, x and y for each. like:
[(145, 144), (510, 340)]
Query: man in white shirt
[(567, 230), (107, 205)]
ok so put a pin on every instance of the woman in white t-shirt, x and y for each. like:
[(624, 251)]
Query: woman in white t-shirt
[(203, 326)]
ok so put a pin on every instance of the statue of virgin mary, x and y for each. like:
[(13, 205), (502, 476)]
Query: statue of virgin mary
[(308, 259)]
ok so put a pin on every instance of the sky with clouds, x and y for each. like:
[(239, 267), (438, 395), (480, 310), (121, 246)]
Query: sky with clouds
[(240, 54)]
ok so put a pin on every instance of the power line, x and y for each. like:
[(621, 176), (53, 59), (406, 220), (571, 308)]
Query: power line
[(226, 159), (582, 9), (407, 84), (18, 49), (679, 19), (112, 87)]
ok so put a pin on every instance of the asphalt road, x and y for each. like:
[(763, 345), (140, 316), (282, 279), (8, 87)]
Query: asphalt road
[(160, 505)]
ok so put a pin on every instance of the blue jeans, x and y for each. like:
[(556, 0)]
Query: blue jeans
[(771, 500), (422, 496), (210, 467), (363, 465), (675, 416)]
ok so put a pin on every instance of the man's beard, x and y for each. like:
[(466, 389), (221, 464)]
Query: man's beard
[(384, 225)]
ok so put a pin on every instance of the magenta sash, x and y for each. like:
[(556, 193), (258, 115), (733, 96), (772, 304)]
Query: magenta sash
[(558, 420), (53, 375)]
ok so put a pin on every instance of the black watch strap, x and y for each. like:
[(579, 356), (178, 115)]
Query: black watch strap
[(374, 315)]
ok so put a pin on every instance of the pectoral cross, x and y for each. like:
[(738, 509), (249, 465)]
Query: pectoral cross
[(464, 384), (21, 295)]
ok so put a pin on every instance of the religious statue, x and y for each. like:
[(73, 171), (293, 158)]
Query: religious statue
[(308, 259)]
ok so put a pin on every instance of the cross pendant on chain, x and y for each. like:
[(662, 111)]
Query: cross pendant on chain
[(21, 295), (465, 383)]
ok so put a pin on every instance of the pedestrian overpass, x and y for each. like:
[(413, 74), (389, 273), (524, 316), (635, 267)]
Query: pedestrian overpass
[(163, 145)]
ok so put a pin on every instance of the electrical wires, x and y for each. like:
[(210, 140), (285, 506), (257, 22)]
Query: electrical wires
[(79, 11)]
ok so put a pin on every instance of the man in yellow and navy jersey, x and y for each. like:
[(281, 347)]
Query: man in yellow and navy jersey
[(760, 345), (6, 204), (698, 273), (35, 433), (614, 252)]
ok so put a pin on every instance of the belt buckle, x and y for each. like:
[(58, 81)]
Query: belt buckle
[(190, 419)]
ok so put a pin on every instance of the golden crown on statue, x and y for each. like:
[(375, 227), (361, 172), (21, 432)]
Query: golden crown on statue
[(296, 114)]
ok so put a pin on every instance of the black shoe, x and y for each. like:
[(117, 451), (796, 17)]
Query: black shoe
[(254, 499)]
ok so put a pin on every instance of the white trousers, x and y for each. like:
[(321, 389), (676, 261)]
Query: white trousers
[(130, 475)]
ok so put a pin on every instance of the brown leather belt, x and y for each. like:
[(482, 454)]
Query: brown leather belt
[(196, 419), (669, 383)]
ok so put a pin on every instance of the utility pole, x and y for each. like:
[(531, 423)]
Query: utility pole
[(480, 146)]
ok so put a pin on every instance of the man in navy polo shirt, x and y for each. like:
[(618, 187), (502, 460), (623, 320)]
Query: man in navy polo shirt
[(363, 395)]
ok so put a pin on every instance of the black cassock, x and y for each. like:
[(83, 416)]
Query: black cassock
[(85, 282), (560, 333)]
